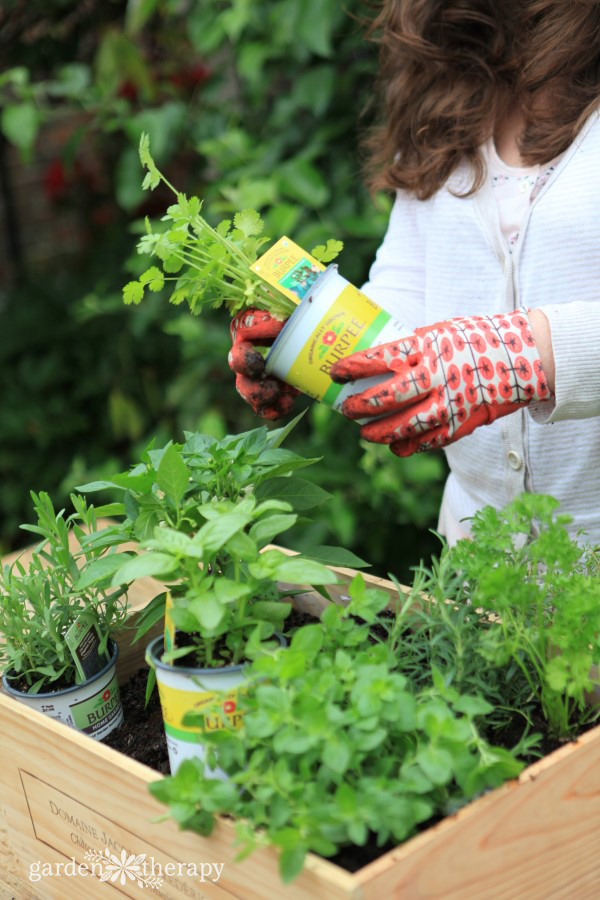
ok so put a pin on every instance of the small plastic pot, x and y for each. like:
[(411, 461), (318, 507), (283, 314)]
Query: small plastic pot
[(93, 707), (333, 320), (185, 689)]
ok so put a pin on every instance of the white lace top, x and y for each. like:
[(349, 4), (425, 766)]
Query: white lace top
[(515, 188)]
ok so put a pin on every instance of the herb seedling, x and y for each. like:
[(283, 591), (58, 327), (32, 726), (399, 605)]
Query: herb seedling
[(201, 513), (542, 586), (208, 266), (38, 604)]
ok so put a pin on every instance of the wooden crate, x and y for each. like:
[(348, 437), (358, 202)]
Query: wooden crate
[(537, 837)]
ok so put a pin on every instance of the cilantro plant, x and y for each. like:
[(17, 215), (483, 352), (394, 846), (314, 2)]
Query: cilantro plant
[(40, 602), (206, 265), (337, 748), (542, 588)]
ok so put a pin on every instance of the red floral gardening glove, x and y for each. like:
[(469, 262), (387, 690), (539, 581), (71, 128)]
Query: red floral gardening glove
[(445, 381), (269, 397)]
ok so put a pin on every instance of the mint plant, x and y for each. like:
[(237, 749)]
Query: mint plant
[(40, 602), (337, 747), (206, 265)]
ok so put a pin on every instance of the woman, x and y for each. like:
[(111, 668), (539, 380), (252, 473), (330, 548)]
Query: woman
[(492, 144)]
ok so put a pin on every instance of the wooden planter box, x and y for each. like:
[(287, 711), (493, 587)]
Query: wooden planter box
[(61, 792)]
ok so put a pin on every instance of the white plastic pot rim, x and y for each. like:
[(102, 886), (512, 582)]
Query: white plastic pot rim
[(64, 691)]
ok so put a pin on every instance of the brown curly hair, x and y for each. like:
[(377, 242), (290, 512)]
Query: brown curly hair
[(452, 69)]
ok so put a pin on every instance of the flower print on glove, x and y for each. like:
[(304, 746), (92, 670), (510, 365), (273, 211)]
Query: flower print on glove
[(445, 381), (269, 397)]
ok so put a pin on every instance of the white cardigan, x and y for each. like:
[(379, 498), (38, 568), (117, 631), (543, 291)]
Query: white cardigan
[(447, 257)]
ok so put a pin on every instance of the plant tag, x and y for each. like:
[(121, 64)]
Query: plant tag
[(289, 268), (83, 640), (169, 624)]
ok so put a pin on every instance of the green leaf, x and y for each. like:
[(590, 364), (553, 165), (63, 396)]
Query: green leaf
[(215, 534), (472, 706), (336, 755), (175, 542), (154, 278), (298, 492), (268, 527), (248, 222), (154, 564), (133, 292), (173, 475), (20, 123), (336, 556), (99, 569), (308, 640), (325, 253), (436, 764), (270, 611), (297, 570), (228, 591), (277, 436), (207, 610), (291, 862), (301, 181)]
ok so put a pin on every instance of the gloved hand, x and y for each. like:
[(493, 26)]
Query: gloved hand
[(445, 381), (269, 397)]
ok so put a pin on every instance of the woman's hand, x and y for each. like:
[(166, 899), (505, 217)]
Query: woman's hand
[(445, 381), (269, 397)]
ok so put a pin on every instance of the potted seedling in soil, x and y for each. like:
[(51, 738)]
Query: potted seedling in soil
[(226, 605), (205, 266), (337, 751), (56, 649), (201, 513)]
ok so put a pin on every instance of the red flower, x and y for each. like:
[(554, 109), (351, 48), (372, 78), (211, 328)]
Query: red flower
[(190, 76), (106, 695), (330, 337), (128, 90), (55, 180)]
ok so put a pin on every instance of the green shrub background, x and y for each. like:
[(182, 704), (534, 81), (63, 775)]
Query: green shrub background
[(248, 104)]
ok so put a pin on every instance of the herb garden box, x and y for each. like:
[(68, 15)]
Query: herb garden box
[(63, 793)]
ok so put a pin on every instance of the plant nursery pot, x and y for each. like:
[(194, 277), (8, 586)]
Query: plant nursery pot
[(93, 707), (184, 689), (333, 320)]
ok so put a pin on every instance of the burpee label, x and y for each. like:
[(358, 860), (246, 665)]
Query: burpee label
[(289, 268), (95, 713), (83, 640), (352, 323)]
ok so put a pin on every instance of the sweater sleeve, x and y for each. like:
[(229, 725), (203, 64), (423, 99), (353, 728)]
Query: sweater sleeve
[(575, 332), (397, 277)]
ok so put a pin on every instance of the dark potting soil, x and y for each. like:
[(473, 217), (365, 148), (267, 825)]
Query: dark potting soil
[(141, 736)]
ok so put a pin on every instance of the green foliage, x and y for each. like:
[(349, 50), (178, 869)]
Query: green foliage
[(337, 746), (247, 106), (201, 513), (525, 568), (212, 264), (39, 603)]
